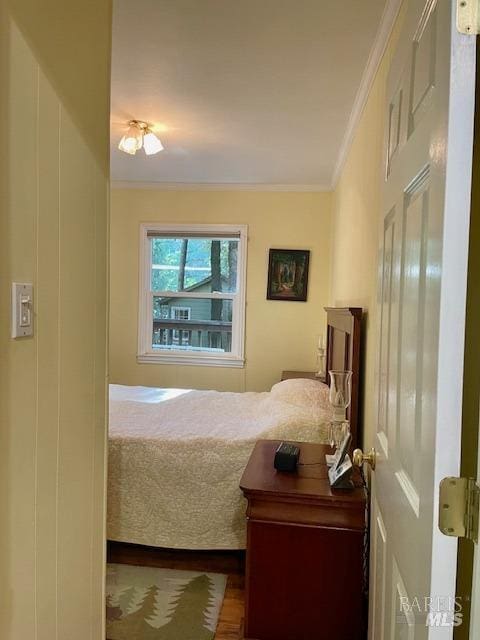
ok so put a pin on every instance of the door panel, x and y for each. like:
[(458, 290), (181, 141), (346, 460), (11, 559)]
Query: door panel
[(394, 124), (384, 424), (403, 619), (412, 306), (377, 577), (422, 290), (423, 66)]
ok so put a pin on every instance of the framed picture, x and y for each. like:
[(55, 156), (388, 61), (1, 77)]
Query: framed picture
[(288, 274)]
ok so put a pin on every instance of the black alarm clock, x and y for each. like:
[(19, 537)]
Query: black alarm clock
[(286, 457)]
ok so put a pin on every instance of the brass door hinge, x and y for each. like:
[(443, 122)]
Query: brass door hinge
[(459, 505), (468, 16)]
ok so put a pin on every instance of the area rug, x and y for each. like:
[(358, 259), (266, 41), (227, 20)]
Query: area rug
[(145, 603)]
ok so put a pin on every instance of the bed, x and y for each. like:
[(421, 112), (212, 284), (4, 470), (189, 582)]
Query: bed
[(176, 455)]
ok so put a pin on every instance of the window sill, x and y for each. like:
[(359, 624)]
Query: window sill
[(191, 360)]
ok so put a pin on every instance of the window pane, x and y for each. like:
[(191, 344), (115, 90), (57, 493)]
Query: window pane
[(188, 324), (194, 264)]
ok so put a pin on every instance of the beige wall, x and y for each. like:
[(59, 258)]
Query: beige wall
[(53, 233), (356, 220), (279, 335)]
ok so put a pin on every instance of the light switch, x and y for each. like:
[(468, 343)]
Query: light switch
[(22, 309)]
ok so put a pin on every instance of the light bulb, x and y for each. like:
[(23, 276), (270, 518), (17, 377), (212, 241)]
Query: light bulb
[(151, 143), (132, 140)]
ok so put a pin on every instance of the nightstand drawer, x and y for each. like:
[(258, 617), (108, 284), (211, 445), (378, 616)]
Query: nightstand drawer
[(299, 512)]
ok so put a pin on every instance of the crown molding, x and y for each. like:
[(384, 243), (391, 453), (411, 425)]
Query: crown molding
[(210, 186), (385, 28)]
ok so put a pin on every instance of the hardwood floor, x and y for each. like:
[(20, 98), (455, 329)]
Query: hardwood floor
[(231, 563), (231, 615)]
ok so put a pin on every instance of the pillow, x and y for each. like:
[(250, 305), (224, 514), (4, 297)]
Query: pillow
[(303, 392)]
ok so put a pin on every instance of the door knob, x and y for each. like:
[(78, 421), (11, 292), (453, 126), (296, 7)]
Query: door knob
[(359, 458)]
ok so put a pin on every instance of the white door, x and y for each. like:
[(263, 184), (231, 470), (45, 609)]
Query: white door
[(422, 292)]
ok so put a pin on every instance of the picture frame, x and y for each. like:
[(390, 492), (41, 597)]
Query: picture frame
[(288, 274)]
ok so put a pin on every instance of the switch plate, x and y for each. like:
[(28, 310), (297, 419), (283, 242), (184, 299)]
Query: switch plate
[(22, 309)]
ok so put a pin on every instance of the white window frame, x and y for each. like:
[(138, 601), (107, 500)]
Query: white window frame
[(146, 354), (180, 332)]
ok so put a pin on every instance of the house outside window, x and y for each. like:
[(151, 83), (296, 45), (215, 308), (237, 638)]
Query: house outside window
[(192, 294)]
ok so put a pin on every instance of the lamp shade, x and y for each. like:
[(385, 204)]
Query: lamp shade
[(132, 140), (151, 143), (340, 393)]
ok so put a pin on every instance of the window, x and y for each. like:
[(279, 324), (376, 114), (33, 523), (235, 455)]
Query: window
[(181, 337), (192, 294)]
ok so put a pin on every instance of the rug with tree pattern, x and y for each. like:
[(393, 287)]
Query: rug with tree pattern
[(145, 603)]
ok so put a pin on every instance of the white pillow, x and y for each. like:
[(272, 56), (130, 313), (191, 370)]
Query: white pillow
[(303, 392)]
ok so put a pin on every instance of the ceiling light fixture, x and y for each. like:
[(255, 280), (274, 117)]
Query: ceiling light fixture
[(140, 134)]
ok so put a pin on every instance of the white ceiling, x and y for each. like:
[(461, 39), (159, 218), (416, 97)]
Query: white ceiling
[(248, 92)]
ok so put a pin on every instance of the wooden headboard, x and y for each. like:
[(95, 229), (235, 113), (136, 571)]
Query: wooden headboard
[(343, 354)]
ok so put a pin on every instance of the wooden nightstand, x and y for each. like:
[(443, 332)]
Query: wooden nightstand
[(305, 551), (287, 375)]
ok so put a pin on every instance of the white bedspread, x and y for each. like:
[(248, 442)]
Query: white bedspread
[(176, 457)]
